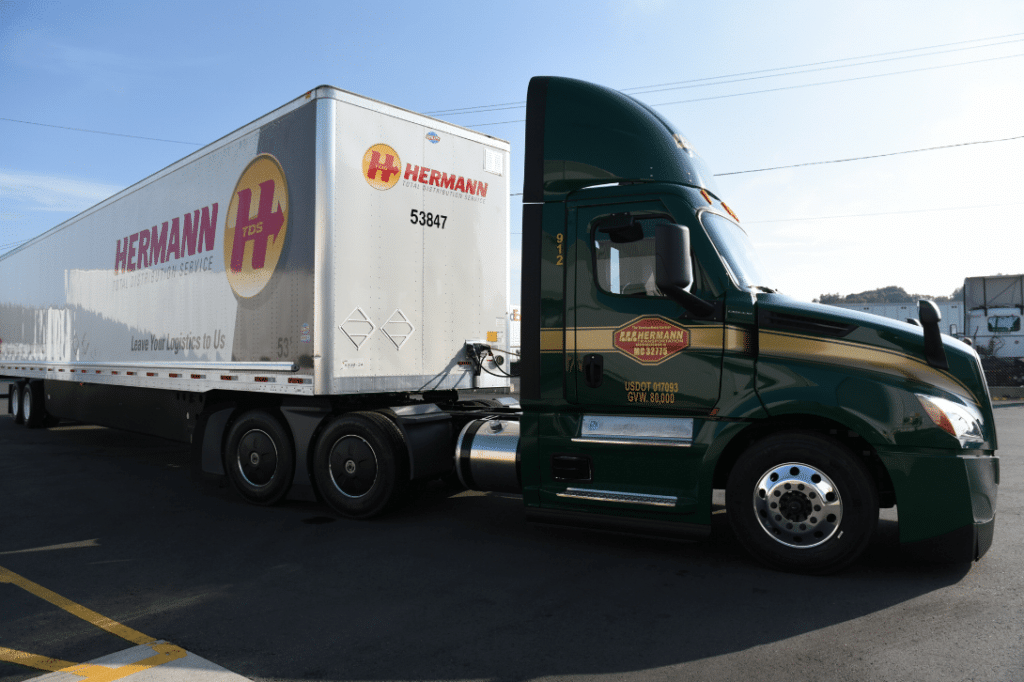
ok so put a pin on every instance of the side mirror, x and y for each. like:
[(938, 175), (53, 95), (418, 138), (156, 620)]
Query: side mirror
[(674, 270)]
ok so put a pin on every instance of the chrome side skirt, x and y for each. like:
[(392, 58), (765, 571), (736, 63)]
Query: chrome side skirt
[(626, 498)]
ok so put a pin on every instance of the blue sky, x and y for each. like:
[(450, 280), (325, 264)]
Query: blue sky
[(190, 72)]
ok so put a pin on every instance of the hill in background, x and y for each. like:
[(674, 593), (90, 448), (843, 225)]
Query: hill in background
[(887, 295)]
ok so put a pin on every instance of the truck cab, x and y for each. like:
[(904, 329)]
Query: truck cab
[(660, 363)]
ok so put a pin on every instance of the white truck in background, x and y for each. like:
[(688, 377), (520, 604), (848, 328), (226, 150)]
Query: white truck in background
[(993, 314), (993, 311)]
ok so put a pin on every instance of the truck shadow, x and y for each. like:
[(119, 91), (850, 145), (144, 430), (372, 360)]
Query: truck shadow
[(448, 586), (461, 587)]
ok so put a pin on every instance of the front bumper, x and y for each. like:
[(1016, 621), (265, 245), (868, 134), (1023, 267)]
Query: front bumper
[(946, 502)]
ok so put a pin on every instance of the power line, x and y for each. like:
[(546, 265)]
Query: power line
[(483, 108), (873, 215), (873, 156), (841, 80), (675, 85), (822, 68), (99, 132), (860, 158), (834, 61), (867, 215), (792, 87)]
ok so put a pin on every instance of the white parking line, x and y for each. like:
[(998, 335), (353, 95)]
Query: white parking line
[(128, 665)]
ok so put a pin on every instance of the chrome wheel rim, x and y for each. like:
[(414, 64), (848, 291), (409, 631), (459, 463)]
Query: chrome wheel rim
[(797, 505), (352, 466), (26, 403)]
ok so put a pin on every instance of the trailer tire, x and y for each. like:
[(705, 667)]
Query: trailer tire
[(802, 502), (361, 464), (33, 410), (259, 458), (14, 402)]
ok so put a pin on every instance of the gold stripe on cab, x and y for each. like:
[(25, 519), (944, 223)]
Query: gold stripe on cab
[(598, 339), (835, 352)]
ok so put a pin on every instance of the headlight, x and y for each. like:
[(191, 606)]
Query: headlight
[(963, 422)]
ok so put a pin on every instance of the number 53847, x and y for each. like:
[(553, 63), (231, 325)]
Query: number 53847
[(428, 219)]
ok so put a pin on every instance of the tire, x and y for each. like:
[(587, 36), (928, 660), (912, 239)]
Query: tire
[(14, 395), (825, 503), (33, 407), (14, 402), (361, 464), (259, 458)]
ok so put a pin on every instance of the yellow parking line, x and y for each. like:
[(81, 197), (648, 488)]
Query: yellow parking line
[(164, 652), (32, 660), (88, 615)]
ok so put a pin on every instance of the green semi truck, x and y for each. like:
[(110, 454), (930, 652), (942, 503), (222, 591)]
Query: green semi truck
[(660, 364), (353, 306)]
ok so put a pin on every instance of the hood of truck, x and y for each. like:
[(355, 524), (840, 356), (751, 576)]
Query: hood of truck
[(862, 358)]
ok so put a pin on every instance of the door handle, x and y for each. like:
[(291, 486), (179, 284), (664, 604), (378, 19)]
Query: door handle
[(593, 370)]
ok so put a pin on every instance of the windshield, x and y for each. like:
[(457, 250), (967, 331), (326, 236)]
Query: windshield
[(739, 254)]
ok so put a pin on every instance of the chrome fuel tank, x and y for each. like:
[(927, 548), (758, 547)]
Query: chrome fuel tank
[(487, 455)]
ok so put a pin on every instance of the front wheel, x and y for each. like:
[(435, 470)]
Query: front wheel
[(802, 502)]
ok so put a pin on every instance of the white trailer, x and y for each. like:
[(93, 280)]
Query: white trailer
[(952, 322), (993, 309), (336, 248)]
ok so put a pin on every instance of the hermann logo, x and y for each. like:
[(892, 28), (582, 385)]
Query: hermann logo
[(381, 167), (256, 226), (651, 340)]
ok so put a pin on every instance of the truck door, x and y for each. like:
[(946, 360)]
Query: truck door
[(635, 349), (639, 367)]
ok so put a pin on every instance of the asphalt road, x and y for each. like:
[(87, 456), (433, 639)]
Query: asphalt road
[(459, 587)]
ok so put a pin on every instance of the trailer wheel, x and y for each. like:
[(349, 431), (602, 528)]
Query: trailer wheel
[(802, 502), (14, 402), (259, 458), (33, 409), (360, 464)]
